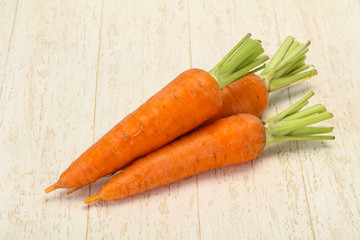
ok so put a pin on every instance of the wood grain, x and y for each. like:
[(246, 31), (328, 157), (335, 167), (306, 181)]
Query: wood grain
[(8, 12), (47, 99), (331, 179), (263, 198), (69, 71), (144, 44)]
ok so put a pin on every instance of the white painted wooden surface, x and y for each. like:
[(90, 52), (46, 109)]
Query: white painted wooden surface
[(70, 70)]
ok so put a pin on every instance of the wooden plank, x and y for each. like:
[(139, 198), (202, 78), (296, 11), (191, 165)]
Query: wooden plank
[(47, 109), (331, 170), (8, 11), (69, 71), (144, 45), (264, 198)]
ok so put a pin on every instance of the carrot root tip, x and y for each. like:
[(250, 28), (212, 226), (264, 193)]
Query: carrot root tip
[(73, 190), (52, 188), (92, 198)]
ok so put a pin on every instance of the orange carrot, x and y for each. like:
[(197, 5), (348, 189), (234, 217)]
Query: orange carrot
[(233, 140), (250, 94), (185, 103)]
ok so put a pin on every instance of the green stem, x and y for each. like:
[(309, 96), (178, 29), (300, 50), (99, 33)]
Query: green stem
[(286, 67), (292, 109), (298, 69), (274, 61), (251, 72), (226, 57), (318, 108), (299, 107), (299, 64), (294, 56), (239, 56), (292, 124), (241, 60), (285, 126), (242, 72), (279, 83), (250, 59), (310, 131)]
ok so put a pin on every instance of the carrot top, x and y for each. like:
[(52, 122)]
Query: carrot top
[(292, 124), (287, 66), (239, 62)]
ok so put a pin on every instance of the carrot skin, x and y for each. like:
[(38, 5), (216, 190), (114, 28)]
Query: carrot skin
[(171, 112), (228, 141), (247, 95)]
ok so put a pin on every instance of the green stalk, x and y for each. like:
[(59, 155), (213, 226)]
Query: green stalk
[(292, 124), (286, 67), (298, 108), (298, 69), (274, 61), (318, 108), (234, 78), (227, 56), (280, 82), (242, 72), (291, 67), (239, 56), (310, 130), (250, 59), (242, 59), (254, 71), (285, 126), (292, 109), (293, 56)]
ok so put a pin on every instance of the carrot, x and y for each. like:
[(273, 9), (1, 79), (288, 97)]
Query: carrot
[(251, 94), (248, 95), (233, 140), (186, 102)]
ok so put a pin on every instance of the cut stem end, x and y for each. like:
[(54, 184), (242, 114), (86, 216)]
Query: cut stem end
[(292, 124), (246, 56), (286, 68)]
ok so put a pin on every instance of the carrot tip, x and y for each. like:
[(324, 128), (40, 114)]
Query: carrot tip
[(52, 188), (92, 198), (73, 190)]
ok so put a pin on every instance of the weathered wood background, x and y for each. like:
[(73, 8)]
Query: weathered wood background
[(70, 70)]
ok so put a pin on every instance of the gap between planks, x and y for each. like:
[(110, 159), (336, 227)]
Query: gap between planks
[(94, 119), (190, 63), (9, 45), (296, 143)]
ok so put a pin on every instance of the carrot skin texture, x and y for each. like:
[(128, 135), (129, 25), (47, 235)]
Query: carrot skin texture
[(171, 112), (247, 95), (233, 140)]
